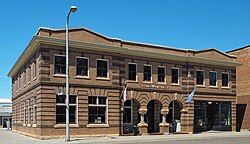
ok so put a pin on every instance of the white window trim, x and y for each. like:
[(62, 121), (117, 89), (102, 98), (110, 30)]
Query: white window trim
[(54, 62), (131, 113), (99, 105), (64, 104), (165, 72), (151, 73), (228, 86), (216, 79), (178, 76), (107, 69), (203, 84), (136, 78), (79, 57)]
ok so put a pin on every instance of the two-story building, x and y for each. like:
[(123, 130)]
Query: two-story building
[(158, 80)]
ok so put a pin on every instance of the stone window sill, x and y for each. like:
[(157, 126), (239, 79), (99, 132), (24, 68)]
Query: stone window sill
[(201, 86), (175, 84), (132, 81), (59, 75), (214, 87), (64, 125), (97, 125), (225, 88), (102, 78), (83, 77)]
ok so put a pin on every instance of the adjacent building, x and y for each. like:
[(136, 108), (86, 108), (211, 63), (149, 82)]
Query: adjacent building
[(157, 80), (243, 86), (5, 111)]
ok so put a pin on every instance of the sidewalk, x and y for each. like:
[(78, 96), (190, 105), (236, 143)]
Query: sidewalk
[(13, 138)]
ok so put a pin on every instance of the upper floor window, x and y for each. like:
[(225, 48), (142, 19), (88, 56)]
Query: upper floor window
[(213, 78), (102, 68), (199, 77), (82, 68), (61, 109), (132, 71), (147, 73), (225, 77), (60, 64), (161, 74), (175, 75), (97, 110), (34, 69)]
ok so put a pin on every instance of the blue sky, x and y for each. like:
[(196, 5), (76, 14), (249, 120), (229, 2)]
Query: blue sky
[(192, 24)]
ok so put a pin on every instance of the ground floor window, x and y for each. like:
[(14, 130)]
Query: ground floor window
[(212, 116), (127, 114), (61, 109), (97, 109)]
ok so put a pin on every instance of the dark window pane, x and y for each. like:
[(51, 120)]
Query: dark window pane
[(92, 99), (147, 73), (102, 68), (97, 114), (132, 72), (199, 77), (82, 67), (60, 98), (60, 114), (212, 78), (224, 79), (102, 100), (127, 103), (175, 75), (127, 115), (161, 74), (60, 65), (101, 110), (72, 99)]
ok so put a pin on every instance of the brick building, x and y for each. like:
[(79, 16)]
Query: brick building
[(243, 86), (158, 80)]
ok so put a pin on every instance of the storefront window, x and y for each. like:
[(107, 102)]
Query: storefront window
[(225, 114)]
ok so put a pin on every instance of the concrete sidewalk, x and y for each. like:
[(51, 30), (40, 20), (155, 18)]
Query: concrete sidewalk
[(14, 138)]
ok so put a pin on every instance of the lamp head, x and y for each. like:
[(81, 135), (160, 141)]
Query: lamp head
[(73, 9)]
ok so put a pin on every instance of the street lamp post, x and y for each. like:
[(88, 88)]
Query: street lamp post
[(72, 9)]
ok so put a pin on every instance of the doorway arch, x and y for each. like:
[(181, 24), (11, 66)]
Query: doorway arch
[(153, 116), (174, 112)]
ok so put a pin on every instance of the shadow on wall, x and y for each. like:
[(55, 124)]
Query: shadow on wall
[(240, 111)]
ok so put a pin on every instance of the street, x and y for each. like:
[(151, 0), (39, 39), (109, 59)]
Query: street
[(9, 137)]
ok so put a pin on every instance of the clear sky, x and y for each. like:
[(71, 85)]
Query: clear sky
[(190, 24)]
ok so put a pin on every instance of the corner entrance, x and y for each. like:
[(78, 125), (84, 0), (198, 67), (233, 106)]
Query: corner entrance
[(153, 117)]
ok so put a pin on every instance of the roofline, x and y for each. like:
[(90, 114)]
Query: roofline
[(209, 49), (238, 48)]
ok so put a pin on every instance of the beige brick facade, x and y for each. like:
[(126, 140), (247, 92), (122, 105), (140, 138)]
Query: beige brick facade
[(33, 79)]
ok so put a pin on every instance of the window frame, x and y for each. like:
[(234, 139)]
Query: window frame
[(203, 83), (172, 75), (64, 104), (136, 76), (58, 74), (107, 69), (216, 83), (79, 57), (165, 72), (131, 112), (98, 105), (151, 67), (227, 80)]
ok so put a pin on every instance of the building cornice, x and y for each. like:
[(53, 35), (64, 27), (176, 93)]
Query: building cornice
[(38, 40)]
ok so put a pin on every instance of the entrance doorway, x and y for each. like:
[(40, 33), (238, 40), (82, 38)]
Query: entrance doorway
[(174, 116), (153, 116)]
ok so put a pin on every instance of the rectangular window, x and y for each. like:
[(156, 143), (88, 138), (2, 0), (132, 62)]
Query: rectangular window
[(34, 110), (60, 64), (127, 113), (102, 68), (61, 109), (175, 75), (213, 78), (199, 77), (225, 77), (82, 66), (34, 69), (161, 74), (132, 72), (147, 73), (97, 110)]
